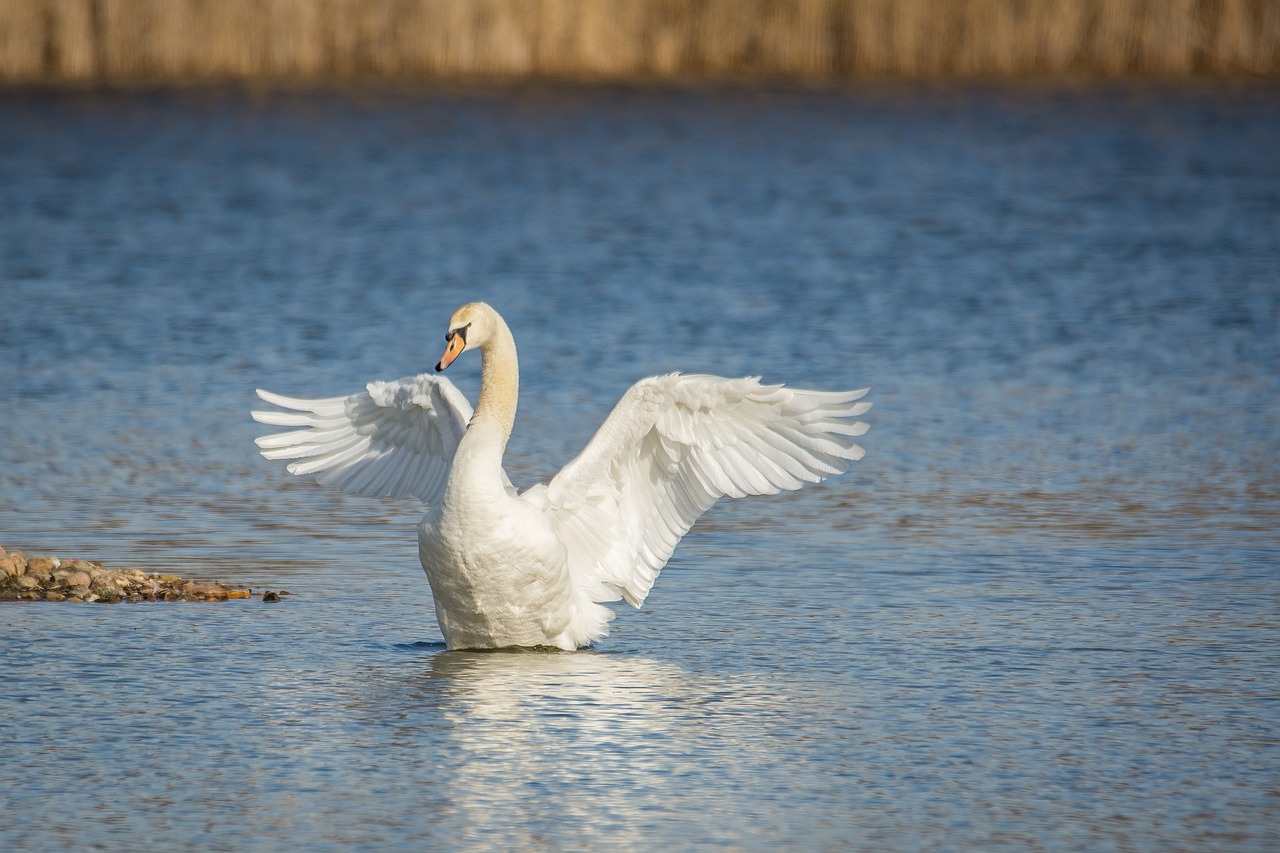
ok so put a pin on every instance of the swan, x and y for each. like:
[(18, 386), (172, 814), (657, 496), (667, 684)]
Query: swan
[(535, 568)]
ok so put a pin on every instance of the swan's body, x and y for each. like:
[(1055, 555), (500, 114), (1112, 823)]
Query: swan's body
[(531, 569)]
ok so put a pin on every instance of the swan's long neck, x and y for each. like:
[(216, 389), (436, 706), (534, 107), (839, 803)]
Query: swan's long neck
[(499, 384)]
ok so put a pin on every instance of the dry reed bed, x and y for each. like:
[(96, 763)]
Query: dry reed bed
[(221, 39)]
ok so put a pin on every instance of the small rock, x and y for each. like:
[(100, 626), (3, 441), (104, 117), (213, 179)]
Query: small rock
[(54, 595), (26, 582), (12, 565), (78, 579), (106, 589), (40, 567), (270, 596), (212, 591)]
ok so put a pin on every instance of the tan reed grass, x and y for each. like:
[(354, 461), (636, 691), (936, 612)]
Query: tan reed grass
[(243, 39)]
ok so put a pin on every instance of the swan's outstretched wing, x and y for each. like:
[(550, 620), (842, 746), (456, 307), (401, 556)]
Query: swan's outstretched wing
[(673, 446), (395, 439)]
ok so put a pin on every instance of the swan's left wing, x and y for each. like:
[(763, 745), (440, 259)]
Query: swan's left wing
[(395, 439), (670, 449)]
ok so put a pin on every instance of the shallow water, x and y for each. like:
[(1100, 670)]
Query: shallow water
[(1040, 614)]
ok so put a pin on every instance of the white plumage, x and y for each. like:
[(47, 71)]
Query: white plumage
[(532, 569)]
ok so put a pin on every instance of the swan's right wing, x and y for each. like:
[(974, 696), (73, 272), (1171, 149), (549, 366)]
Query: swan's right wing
[(672, 447), (395, 439)]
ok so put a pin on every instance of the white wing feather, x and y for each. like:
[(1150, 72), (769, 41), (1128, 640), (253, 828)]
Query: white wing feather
[(670, 449), (395, 439)]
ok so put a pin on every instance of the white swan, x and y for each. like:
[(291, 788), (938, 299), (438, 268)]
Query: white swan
[(531, 568)]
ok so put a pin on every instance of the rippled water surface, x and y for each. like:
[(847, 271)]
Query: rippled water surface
[(1041, 614)]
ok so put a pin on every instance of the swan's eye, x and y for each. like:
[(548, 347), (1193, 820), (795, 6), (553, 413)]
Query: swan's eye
[(462, 333)]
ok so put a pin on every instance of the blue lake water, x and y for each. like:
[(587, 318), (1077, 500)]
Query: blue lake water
[(1041, 614)]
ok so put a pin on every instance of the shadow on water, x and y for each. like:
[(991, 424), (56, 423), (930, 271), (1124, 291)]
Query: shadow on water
[(421, 646)]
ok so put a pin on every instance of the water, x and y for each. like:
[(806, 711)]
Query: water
[(1040, 614)]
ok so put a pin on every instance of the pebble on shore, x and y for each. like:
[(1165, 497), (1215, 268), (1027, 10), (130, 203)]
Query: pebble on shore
[(52, 579)]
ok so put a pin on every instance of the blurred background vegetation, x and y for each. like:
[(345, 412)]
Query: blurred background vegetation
[(77, 40)]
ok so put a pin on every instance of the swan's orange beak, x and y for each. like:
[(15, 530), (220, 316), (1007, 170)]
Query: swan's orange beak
[(456, 344)]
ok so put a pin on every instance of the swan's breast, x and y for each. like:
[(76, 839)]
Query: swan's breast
[(497, 571)]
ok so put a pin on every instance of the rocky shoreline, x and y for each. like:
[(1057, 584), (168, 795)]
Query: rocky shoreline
[(25, 578)]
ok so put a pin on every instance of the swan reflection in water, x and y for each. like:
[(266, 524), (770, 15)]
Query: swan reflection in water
[(606, 743)]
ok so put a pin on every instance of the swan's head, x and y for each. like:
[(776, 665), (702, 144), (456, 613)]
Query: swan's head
[(470, 327)]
